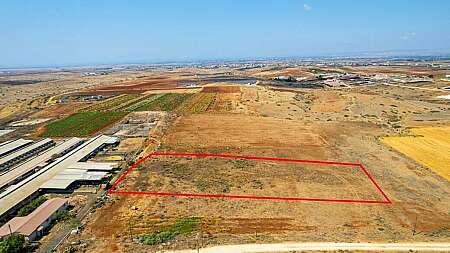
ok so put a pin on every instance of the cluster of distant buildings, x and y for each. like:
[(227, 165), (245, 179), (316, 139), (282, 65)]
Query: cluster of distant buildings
[(348, 79), (446, 78)]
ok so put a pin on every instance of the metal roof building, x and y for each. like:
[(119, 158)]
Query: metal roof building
[(5, 131), (22, 154), (94, 166), (19, 192), (86, 172), (34, 224), (11, 146), (37, 162), (67, 177)]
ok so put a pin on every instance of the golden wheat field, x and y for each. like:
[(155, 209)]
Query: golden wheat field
[(430, 146)]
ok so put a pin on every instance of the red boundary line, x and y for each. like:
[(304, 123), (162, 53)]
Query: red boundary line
[(386, 200)]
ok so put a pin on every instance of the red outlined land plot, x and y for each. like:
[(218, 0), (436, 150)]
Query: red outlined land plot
[(359, 168)]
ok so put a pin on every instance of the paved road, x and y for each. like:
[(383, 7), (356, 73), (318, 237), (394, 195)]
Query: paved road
[(322, 246)]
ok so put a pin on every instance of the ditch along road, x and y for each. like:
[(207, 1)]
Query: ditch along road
[(322, 246)]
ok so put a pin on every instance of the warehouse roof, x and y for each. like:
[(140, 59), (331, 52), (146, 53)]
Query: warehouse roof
[(20, 191), (9, 146), (23, 151), (94, 166), (66, 177), (37, 161), (6, 131), (28, 224)]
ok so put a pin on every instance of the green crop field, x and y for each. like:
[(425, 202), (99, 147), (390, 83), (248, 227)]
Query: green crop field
[(200, 102), (82, 123), (100, 115), (324, 71), (165, 102), (141, 105), (112, 102)]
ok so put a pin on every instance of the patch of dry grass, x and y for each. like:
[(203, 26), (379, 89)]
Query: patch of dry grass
[(430, 147)]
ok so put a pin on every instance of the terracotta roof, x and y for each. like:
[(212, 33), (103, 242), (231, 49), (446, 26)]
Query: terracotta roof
[(28, 224)]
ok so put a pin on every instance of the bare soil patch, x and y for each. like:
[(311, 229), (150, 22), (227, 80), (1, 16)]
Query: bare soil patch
[(221, 88), (248, 177)]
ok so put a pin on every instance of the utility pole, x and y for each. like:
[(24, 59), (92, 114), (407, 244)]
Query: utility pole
[(198, 242), (129, 226), (415, 226)]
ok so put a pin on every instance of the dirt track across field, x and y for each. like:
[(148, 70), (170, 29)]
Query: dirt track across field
[(321, 246)]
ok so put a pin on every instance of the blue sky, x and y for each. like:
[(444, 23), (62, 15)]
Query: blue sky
[(46, 33)]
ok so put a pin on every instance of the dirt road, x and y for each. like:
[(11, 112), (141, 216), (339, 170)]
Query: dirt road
[(322, 246), (413, 87)]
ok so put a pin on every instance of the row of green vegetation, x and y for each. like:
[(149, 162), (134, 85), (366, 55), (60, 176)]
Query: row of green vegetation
[(68, 217), (131, 103), (13, 244), (166, 102), (324, 71), (144, 103), (200, 102), (100, 115), (82, 123), (30, 207), (109, 103), (182, 226)]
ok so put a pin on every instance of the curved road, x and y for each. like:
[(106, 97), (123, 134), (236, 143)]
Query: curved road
[(321, 246)]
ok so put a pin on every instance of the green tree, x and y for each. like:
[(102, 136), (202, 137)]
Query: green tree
[(13, 244)]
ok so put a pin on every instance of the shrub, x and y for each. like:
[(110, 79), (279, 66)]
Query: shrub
[(30, 207), (181, 226), (13, 244)]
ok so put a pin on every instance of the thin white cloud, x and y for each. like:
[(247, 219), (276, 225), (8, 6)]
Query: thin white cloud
[(407, 35), (307, 7)]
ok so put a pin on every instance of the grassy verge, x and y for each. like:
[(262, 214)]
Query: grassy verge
[(182, 226), (82, 123)]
